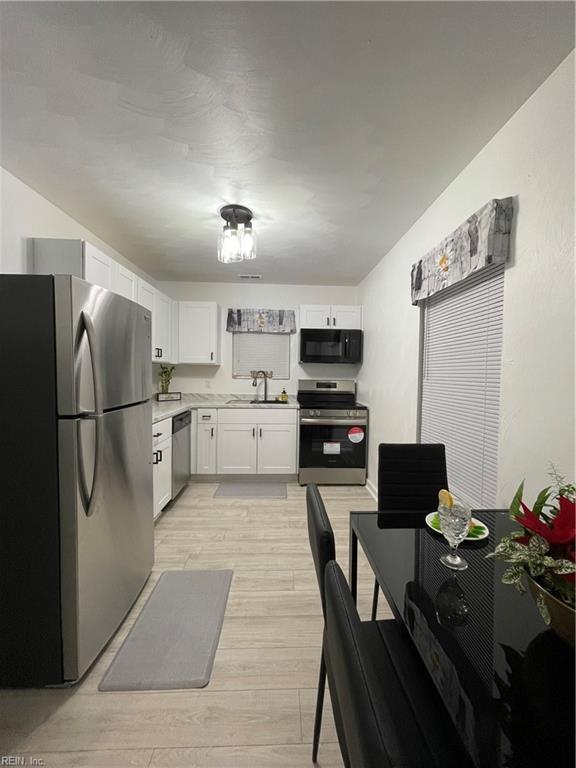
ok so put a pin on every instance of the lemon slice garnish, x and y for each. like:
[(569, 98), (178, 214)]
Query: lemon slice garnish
[(445, 498)]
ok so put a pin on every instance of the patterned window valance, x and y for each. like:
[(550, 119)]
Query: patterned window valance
[(261, 321), (484, 239)]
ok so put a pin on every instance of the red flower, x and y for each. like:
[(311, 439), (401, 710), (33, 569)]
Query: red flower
[(561, 530)]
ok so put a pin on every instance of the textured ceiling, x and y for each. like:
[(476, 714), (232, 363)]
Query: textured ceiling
[(337, 123)]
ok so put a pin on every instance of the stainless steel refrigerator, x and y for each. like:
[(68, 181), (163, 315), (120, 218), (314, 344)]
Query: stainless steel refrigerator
[(76, 511)]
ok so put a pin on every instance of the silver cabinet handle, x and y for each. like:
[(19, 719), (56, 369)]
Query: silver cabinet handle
[(211, 432), (260, 432), (333, 321), (211, 355), (327, 321), (159, 456), (154, 457), (156, 434), (253, 431)]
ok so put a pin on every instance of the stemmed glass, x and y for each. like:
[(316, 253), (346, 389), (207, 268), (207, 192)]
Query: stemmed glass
[(454, 524)]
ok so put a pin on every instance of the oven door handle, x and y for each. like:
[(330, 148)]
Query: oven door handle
[(335, 422)]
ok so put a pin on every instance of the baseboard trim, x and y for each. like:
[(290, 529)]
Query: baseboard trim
[(372, 490), (239, 478)]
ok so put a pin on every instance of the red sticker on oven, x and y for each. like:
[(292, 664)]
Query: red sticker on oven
[(355, 434)]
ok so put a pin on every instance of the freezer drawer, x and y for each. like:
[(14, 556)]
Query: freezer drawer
[(107, 540)]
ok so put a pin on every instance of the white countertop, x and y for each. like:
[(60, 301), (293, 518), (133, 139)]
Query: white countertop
[(189, 402)]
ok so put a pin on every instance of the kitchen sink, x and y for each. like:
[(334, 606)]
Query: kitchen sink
[(264, 402)]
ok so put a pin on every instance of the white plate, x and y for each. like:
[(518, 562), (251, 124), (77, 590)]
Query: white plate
[(478, 532)]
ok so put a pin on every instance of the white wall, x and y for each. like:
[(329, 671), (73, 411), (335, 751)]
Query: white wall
[(24, 213), (532, 159), (206, 378)]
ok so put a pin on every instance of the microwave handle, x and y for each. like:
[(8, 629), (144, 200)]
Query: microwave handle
[(346, 347)]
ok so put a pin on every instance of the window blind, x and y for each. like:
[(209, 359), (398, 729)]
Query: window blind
[(460, 387), (261, 351)]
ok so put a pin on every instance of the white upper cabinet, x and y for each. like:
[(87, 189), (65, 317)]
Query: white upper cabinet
[(315, 316), (97, 267), (162, 310), (199, 332), (175, 322), (146, 294), (124, 282), (161, 327), (347, 316)]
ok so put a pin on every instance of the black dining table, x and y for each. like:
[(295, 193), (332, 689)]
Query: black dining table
[(505, 679)]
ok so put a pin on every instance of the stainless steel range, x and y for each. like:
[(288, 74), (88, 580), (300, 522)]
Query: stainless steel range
[(333, 433)]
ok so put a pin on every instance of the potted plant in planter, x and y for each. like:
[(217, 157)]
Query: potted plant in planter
[(165, 375), (543, 553)]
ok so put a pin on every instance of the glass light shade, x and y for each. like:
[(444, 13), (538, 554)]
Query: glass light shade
[(229, 246), (248, 247)]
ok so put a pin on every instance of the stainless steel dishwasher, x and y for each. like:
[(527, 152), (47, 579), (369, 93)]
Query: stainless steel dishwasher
[(180, 451)]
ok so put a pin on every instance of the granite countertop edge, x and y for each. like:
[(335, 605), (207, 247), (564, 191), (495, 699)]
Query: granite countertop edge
[(170, 408)]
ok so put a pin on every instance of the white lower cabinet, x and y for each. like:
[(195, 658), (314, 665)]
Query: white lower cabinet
[(162, 464), (255, 441), (277, 449), (237, 449), (206, 448)]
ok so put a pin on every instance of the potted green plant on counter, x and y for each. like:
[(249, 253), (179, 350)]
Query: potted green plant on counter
[(165, 376), (543, 553)]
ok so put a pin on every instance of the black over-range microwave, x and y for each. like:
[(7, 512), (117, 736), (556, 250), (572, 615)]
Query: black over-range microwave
[(330, 345)]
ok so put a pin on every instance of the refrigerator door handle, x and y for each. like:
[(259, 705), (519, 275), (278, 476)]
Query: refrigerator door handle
[(88, 327), (89, 498)]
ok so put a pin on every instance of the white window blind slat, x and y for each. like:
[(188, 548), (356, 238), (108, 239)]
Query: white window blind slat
[(460, 402), (261, 351)]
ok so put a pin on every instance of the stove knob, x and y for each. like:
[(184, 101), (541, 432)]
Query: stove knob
[(317, 413), (310, 413)]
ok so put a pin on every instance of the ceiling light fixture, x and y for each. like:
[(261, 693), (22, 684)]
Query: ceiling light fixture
[(237, 241)]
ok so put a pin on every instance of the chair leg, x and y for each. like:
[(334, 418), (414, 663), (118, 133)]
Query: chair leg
[(375, 600), (319, 705)]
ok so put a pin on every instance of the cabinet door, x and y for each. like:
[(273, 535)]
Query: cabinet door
[(162, 475), (206, 452), (315, 315), (97, 267), (124, 282), (199, 333), (236, 449), (174, 343), (277, 449), (162, 334), (146, 294), (347, 316)]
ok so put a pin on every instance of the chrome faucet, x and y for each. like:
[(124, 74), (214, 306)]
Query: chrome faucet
[(262, 375)]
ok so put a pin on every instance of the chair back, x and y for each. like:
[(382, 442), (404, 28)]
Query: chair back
[(352, 678), (410, 476), (321, 536)]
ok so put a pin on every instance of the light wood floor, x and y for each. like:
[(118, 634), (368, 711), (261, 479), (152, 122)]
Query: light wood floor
[(258, 710)]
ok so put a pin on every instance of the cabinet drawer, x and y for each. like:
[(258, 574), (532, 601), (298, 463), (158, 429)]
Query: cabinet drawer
[(207, 416), (257, 416), (161, 430)]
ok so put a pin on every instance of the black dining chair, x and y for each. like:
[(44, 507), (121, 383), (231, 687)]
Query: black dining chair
[(384, 701), (352, 678), (409, 478), (323, 549)]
